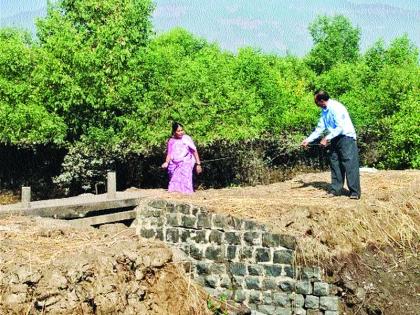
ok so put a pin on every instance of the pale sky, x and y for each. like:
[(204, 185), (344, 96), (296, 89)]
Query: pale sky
[(274, 26)]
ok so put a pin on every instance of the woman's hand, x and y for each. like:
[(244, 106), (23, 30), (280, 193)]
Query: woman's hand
[(198, 169), (165, 165)]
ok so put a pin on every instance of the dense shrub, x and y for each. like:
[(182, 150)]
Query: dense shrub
[(98, 84), (86, 164), (400, 143)]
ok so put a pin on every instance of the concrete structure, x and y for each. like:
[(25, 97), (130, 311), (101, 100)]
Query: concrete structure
[(111, 185), (73, 207), (26, 197), (238, 258)]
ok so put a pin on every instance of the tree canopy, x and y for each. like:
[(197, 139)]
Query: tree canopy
[(98, 82), (336, 41)]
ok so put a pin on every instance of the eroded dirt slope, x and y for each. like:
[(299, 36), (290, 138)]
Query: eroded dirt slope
[(47, 267)]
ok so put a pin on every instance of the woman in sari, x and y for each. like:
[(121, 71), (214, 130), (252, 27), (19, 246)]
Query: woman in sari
[(181, 157)]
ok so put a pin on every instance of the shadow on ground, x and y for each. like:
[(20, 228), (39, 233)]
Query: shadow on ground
[(321, 186)]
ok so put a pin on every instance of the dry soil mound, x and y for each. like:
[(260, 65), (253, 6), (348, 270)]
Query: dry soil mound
[(49, 267)]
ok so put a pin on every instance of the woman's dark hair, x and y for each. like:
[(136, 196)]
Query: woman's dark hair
[(321, 96), (175, 126)]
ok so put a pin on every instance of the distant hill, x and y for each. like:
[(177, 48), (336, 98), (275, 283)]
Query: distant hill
[(274, 26)]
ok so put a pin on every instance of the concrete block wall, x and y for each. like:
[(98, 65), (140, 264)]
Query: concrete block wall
[(239, 258)]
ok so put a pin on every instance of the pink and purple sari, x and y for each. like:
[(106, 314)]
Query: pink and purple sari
[(181, 165)]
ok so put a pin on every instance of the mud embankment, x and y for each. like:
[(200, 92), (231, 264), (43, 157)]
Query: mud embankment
[(50, 267)]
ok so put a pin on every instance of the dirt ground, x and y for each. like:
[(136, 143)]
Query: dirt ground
[(379, 281), (369, 247), (387, 214), (47, 267)]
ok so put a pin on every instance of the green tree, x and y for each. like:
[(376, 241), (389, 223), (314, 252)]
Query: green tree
[(374, 57), (402, 52), (24, 121), (290, 106), (335, 41), (390, 75), (91, 51), (400, 144), (193, 82), (17, 60)]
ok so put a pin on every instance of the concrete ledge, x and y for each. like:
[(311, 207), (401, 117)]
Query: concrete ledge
[(103, 219), (73, 207)]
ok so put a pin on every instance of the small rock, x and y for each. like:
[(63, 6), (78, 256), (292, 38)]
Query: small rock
[(13, 299), (360, 293)]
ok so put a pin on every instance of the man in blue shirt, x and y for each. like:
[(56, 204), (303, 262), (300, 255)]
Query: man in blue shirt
[(341, 137)]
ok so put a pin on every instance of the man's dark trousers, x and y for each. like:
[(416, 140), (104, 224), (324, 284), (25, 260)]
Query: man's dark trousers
[(344, 159)]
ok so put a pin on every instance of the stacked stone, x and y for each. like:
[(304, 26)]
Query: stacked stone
[(239, 258)]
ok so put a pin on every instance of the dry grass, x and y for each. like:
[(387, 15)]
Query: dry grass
[(387, 215), (8, 197), (50, 238), (191, 293)]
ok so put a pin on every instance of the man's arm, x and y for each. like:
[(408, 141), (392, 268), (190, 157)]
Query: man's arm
[(315, 134)]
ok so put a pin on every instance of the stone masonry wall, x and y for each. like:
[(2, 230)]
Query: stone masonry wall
[(239, 258)]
